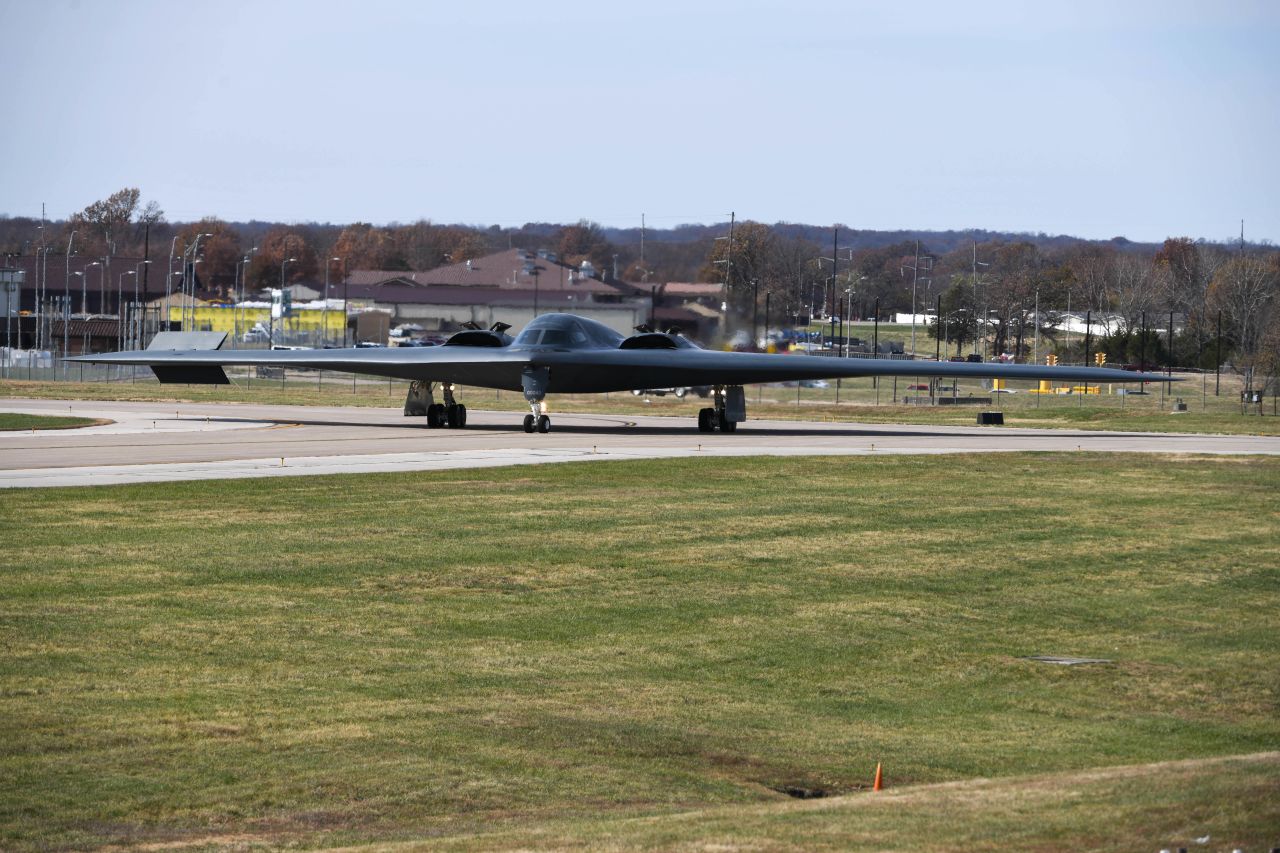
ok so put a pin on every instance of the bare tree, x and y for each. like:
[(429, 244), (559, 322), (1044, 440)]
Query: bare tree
[(1245, 290)]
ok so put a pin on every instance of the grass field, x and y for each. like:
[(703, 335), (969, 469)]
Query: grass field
[(14, 420), (628, 654), (857, 400)]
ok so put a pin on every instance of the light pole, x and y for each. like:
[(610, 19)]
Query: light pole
[(195, 250), (977, 321), (42, 311), (84, 292), (136, 322), (120, 309), (243, 267), (82, 275), (915, 279), (346, 316), (324, 313), (168, 281), (271, 331), (67, 300)]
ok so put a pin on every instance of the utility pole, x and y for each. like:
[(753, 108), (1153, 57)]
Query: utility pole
[(835, 263), (168, 284), (66, 306), (1035, 347), (915, 277), (755, 309), (976, 325), (728, 263), (346, 312)]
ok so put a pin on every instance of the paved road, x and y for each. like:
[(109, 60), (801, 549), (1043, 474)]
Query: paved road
[(150, 442)]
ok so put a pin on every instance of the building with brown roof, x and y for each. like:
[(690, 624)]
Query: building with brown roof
[(509, 287)]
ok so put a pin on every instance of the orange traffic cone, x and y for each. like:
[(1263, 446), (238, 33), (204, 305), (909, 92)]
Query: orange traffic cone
[(879, 783)]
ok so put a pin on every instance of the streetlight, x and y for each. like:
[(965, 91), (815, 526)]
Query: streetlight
[(136, 322), (120, 308), (83, 274), (346, 318), (168, 282), (66, 304), (976, 322), (915, 278), (271, 330), (324, 313), (242, 272), (195, 250), (42, 313)]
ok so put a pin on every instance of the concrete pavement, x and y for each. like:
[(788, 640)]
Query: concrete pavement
[(151, 442)]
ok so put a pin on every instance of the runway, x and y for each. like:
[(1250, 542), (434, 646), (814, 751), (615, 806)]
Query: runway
[(152, 442)]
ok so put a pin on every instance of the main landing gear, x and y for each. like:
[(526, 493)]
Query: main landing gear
[(730, 409), (420, 402)]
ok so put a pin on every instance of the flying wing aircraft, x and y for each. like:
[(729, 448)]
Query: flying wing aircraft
[(566, 354)]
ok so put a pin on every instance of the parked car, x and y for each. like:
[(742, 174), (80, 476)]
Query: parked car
[(700, 390)]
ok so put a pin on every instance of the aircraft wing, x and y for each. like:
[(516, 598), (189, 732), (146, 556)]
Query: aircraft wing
[(586, 371), (616, 370), (491, 367)]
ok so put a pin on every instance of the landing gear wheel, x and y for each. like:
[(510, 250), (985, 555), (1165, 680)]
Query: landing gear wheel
[(528, 423), (544, 423), (725, 424), (706, 422), (456, 416), (435, 416)]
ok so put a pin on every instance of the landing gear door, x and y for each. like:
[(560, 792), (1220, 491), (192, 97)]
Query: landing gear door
[(735, 404)]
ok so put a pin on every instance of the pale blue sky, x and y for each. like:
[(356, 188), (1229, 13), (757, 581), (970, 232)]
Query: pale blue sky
[(1143, 119)]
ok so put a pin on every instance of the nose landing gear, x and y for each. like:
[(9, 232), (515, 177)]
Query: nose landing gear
[(538, 422), (534, 381)]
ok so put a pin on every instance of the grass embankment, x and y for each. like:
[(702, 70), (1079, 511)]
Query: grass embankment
[(857, 402), (16, 421), (550, 653)]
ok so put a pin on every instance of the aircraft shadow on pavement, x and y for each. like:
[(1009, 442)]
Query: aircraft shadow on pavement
[(602, 425)]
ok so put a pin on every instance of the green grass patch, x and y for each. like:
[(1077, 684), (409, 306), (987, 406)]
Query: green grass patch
[(1234, 802), (15, 420), (330, 660)]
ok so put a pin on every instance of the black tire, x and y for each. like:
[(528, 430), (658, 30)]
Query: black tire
[(528, 423), (544, 423), (435, 416), (705, 419), (460, 416), (725, 424)]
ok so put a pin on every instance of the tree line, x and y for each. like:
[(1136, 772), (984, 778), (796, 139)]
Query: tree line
[(1005, 283)]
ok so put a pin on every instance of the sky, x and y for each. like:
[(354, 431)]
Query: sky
[(1095, 119)]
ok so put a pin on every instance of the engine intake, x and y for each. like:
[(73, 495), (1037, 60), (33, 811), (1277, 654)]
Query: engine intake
[(478, 338)]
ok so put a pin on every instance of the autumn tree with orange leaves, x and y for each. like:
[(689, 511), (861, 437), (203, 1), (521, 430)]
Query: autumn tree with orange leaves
[(279, 244)]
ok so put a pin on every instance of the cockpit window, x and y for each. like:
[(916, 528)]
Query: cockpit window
[(560, 332)]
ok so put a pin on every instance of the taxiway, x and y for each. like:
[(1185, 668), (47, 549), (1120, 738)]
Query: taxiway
[(150, 442)]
